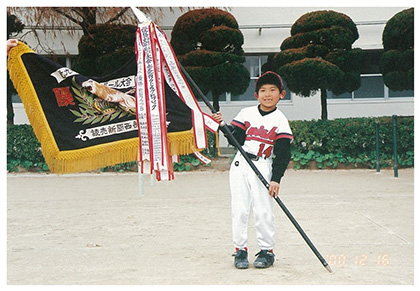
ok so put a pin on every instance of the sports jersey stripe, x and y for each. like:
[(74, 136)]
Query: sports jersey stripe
[(238, 124), (270, 142), (284, 135)]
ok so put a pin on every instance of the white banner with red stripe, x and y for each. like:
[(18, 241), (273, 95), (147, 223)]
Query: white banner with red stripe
[(156, 62)]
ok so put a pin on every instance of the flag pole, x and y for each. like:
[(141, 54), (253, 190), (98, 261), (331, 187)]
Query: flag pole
[(225, 129)]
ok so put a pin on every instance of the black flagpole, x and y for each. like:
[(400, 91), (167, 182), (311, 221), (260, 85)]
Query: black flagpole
[(225, 129)]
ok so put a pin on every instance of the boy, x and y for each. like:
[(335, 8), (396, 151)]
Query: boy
[(265, 135)]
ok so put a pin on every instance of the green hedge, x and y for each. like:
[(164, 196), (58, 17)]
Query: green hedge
[(351, 141), (23, 149), (327, 143)]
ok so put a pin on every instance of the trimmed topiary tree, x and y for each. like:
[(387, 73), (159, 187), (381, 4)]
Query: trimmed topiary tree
[(397, 62), (107, 48), (319, 56), (208, 43)]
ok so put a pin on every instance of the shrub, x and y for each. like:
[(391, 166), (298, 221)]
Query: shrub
[(23, 149), (328, 143), (351, 141)]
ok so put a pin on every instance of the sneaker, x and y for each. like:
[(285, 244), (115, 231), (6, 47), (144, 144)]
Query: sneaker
[(241, 259), (265, 259)]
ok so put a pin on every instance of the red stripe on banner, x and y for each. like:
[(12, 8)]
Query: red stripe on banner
[(158, 176), (164, 128), (208, 127), (193, 113), (141, 123), (149, 120), (166, 160), (156, 63), (188, 88), (153, 49), (149, 115), (170, 168), (138, 35)]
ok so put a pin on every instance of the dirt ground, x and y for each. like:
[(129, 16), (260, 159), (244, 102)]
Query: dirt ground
[(96, 229)]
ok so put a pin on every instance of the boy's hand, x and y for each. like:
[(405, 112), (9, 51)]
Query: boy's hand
[(274, 188), (10, 44), (217, 116)]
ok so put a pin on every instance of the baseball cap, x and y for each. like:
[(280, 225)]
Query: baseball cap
[(269, 77)]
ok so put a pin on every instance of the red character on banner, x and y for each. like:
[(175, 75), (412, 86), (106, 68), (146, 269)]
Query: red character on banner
[(63, 96)]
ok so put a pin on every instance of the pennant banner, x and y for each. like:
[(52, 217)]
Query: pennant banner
[(85, 123), (156, 65)]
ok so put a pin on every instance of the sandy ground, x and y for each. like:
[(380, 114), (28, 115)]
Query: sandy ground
[(95, 229)]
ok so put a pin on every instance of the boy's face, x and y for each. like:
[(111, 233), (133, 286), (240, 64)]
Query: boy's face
[(268, 96)]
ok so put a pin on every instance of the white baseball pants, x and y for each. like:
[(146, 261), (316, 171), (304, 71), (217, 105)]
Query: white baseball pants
[(248, 191)]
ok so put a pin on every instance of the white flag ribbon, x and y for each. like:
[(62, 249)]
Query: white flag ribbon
[(157, 63)]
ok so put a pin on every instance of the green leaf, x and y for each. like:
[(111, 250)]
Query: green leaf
[(106, 117), (115, 115), (195, 162), (80, 119), (77, 113), (97, 120), (77, 92), (89, 120), (81, 100)]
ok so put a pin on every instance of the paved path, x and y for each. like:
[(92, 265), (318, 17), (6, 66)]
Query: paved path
[(97, 229)]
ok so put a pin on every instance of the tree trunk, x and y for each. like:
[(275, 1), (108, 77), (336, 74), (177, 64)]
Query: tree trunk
[(324, 114), (89, 19)]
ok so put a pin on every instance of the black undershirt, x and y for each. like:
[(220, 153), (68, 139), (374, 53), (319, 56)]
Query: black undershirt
[(281, 149)]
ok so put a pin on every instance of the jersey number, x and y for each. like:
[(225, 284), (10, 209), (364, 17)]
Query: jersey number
[(266, 151)]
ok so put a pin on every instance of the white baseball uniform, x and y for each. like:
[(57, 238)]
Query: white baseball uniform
[(261, 134)]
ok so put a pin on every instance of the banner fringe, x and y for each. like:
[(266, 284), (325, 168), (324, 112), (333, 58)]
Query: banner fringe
[(182, 143)]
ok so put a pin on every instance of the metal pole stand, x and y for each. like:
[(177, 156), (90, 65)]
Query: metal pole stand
[(394, 127), (378, 162)]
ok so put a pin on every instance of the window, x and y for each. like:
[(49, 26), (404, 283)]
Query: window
[(404, 93), (372, 87)]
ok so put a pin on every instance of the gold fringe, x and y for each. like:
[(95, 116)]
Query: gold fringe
[(81, 160), (181, 142)]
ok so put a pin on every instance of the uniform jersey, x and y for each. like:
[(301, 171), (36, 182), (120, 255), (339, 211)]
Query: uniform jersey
[(262, 131), (266, 135)]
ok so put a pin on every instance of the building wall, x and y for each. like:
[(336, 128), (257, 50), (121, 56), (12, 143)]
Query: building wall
[(264, 28)]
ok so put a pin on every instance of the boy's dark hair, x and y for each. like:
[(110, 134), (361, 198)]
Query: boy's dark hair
[(269, 77)]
